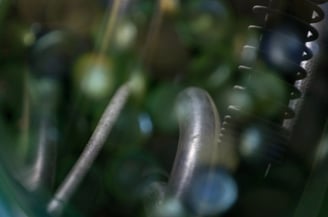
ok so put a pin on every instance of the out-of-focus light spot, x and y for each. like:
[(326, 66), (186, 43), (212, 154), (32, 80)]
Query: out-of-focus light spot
[(125, 35), (281, 47), (268, 91), (261, 143), (170, 207), (28, 38), (95, 82), (202, 23), (214, 7), (153, 193), (49, 40), (94, 76), (250, 142), (145, 123), (249, 52), (212, 192), (169, 6), (248, 56), (47, 87), (208, 14), (183, 109), (138, 83), (240, 99), (154, 187), (219, 77)]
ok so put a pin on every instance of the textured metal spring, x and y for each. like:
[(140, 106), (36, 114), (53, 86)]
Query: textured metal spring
[(232, 123)]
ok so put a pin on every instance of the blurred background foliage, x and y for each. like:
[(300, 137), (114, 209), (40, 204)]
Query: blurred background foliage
[(65, 58), (60, 58)]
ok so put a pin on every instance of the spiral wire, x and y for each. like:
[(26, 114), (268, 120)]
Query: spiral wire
[(298, 19)]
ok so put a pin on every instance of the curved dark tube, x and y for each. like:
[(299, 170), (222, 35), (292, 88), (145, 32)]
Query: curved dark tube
[(198, 142), (40, 172), (37, 170)]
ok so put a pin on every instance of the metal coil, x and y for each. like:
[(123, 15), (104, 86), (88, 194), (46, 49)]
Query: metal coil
[(237, 118)]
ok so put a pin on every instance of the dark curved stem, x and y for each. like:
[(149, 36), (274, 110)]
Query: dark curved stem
[(40, 173), (37, 170)]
